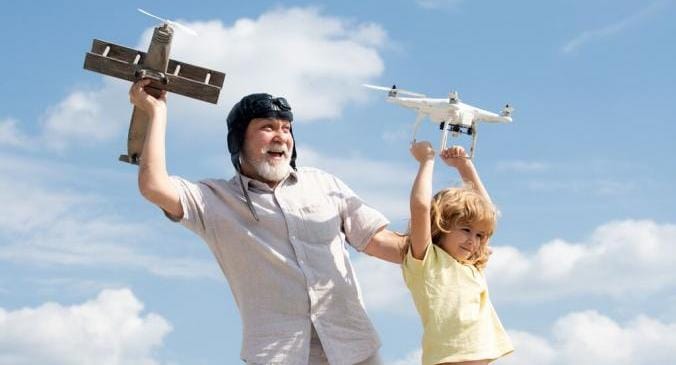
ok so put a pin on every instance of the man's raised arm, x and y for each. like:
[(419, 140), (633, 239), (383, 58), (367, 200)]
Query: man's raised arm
[(153, 179)]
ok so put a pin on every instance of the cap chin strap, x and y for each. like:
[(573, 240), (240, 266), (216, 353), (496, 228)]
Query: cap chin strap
[(245, 191)]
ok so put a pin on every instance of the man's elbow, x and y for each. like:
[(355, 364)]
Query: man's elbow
[(148, 187)]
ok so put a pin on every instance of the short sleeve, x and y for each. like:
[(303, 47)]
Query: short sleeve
[(360, 222), (413, 266), (194, 203)]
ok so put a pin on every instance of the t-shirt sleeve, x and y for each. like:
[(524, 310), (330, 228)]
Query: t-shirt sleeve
[(194, 203), (360, 222), (413, 266)]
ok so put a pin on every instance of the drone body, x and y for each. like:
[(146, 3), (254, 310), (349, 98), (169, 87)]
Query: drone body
[(165, 74), (450, 113)]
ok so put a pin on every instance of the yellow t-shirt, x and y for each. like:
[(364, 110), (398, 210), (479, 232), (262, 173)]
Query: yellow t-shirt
[(459, 322)]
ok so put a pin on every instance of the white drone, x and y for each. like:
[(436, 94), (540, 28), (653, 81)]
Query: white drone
[(451, 114)]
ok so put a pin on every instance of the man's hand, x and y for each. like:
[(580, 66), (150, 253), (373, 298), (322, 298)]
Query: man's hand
[(146, 102), (422, 151)]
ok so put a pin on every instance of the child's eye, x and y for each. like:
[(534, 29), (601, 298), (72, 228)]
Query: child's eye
[(465, 229)]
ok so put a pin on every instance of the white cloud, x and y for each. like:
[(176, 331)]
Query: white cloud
[(11, 136), (317, 61), (109, 330), (619, 260), (100, 241), (592, 338), (611, 29), (383, 286), (529, 349), (45, 224), (630, 257), (81, 118)]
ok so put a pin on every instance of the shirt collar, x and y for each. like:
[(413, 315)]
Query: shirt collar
[(256, 185)]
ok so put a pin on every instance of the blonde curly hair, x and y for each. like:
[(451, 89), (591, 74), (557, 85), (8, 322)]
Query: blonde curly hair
[(458, 206)]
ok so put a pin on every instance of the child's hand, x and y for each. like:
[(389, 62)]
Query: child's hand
[(455, 157), (422, 151)]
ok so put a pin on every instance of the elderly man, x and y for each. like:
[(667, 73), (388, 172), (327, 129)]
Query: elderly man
[(278, 233)]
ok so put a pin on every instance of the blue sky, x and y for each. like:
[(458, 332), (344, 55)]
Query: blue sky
[(585, 249)]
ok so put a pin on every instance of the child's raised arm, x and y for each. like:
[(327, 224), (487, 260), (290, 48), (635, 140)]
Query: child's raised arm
[(456, 157), (421, 199)]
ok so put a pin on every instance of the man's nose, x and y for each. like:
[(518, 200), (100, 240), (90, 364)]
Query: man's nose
[(278, 135)]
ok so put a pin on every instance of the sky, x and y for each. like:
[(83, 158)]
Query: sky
[(582, 269)]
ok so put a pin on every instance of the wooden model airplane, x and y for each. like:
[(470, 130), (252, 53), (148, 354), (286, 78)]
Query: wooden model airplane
[(166, 74)]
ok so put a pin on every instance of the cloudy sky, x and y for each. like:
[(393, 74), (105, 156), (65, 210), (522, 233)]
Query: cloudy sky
[(582, 270)]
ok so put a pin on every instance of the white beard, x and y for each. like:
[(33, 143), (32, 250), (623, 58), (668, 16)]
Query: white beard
[(272, 172)]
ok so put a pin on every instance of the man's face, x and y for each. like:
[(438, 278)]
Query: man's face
[(267, 150)]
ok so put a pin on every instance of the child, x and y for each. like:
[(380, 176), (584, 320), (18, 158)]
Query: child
[(443, 266)]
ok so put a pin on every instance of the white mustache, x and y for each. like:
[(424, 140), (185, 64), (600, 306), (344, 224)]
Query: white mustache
[(277, 148)]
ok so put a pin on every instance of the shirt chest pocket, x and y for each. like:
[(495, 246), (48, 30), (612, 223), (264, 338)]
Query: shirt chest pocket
[(322, 223)]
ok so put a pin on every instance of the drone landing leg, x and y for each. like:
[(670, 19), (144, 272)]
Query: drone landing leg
[(418, 119), (471, 149), (444, 136)]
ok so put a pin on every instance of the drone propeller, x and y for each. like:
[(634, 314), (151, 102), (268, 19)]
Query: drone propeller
[(395, 90), (507, 110), (453, 97), (170, 22)]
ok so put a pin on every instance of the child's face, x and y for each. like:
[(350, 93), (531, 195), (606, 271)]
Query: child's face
[(464, 240)]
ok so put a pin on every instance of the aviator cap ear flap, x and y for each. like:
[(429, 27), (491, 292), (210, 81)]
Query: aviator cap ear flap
[(250, 107)]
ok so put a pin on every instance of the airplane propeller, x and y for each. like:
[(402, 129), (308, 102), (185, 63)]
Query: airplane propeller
[(170, 22), (394, 90)]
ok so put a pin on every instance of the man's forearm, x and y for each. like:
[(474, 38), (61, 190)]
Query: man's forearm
[(152, 167), (387, 245)]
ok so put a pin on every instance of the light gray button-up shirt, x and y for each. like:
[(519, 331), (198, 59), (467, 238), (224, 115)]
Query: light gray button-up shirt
[(291, 269)]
